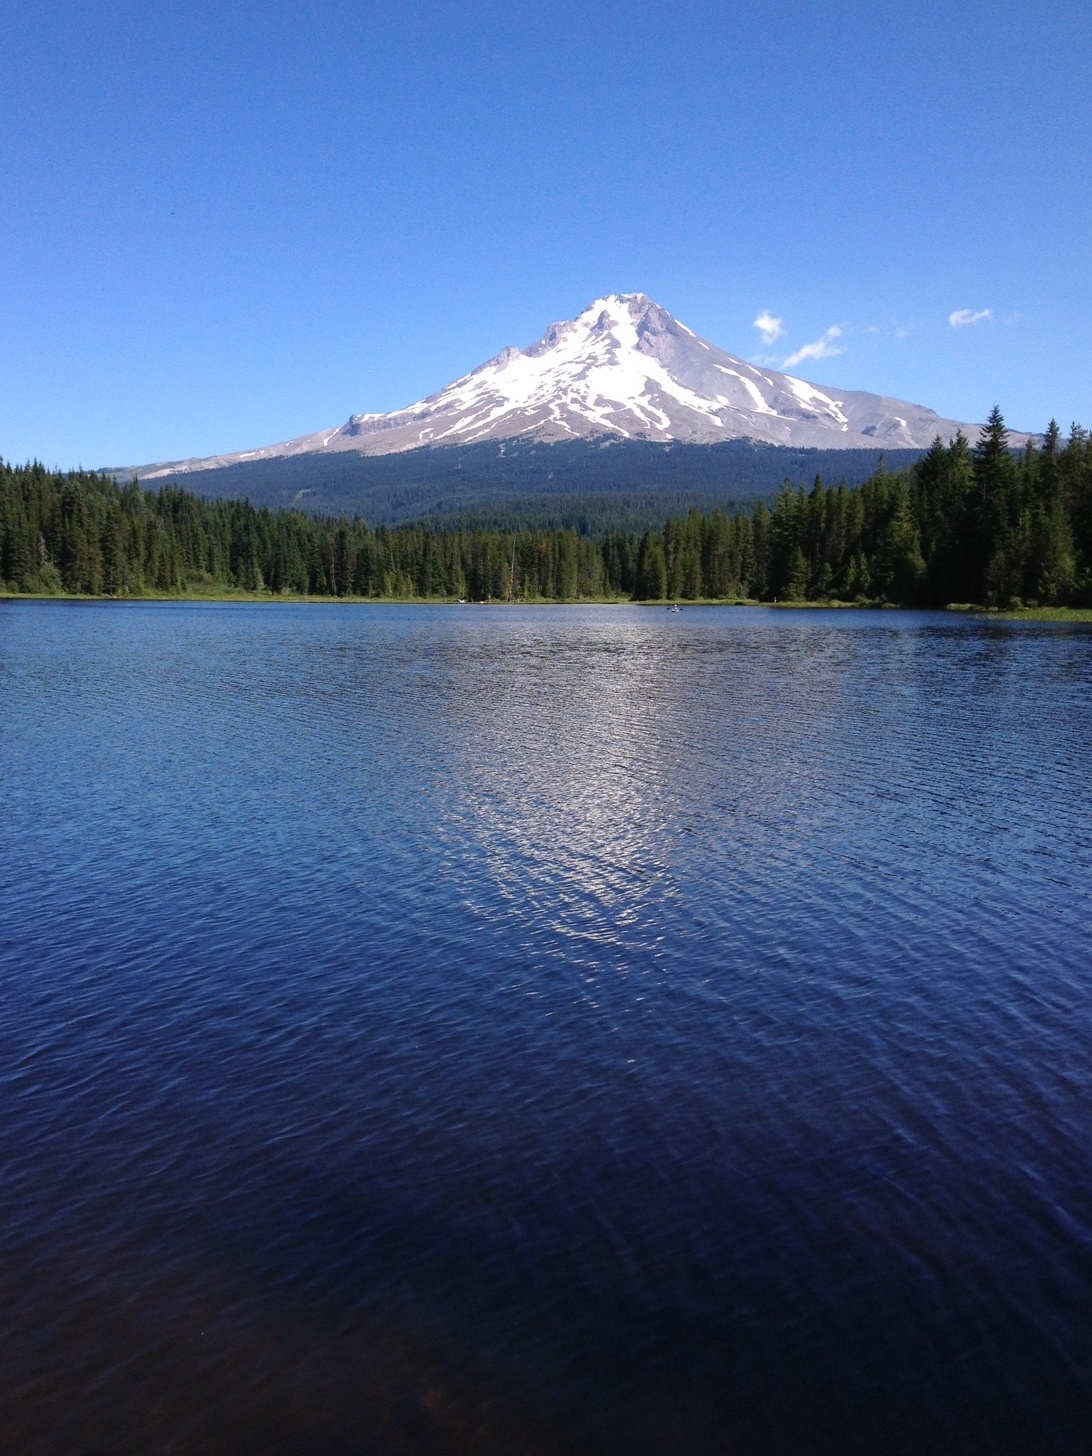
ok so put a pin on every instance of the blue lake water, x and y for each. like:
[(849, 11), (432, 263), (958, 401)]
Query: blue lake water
[(562, 1030)]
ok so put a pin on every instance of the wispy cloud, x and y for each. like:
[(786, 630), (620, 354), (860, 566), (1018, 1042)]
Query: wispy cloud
[(823, 348), (959, 318), (768, 326)]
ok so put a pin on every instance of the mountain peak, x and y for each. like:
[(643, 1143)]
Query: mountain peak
[(622, 308), (632, 304)]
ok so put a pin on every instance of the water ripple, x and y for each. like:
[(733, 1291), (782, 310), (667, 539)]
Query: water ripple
[(583, 1030)]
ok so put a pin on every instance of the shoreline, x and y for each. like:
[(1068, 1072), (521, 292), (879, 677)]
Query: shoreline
[(243, 598)]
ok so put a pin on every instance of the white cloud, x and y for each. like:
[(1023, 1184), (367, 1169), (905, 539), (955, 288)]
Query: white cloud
[(768, 326), (959, 318), (822, 348)]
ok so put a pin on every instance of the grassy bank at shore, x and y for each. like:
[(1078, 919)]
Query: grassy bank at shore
[(1025, 614)]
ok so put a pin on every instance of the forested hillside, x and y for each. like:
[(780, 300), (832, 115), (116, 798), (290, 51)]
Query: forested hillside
[(964, 524), (600, 485)]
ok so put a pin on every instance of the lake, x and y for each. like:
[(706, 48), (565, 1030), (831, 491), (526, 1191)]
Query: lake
[(586, 1030)]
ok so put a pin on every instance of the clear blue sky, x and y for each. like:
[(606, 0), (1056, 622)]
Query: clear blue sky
[(224, 224)]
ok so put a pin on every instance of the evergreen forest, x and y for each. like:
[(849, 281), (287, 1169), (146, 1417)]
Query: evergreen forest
[(977, 524), (597, 485)]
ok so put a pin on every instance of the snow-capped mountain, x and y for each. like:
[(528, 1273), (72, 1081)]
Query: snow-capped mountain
[(623, 368)]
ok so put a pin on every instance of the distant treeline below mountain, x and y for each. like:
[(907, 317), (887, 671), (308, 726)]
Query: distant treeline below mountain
[(963, 524), (595, 485)]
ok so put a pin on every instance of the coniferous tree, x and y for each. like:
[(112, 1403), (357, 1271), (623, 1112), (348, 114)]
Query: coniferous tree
[(989, 528), (651, 569), (795, 581)]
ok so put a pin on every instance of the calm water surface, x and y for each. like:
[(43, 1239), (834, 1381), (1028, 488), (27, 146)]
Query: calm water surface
[(543, 1031)]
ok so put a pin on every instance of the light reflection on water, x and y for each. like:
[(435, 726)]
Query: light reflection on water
[(543, 1029)]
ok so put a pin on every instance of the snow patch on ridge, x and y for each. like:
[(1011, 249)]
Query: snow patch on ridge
[(808, 394), (752, 389)]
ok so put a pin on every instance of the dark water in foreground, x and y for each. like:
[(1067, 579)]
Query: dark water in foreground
[(547, 1031)]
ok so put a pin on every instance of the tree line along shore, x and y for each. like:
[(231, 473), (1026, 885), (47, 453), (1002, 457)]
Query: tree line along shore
[(975, 524)]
